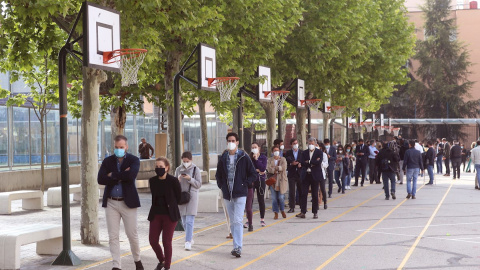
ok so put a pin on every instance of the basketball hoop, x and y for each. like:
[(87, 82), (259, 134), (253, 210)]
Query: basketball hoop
[(278, 98), (381, 129), (338, 110), (357, 127), (395, 131), (389, 129), (312, 104), (368, 126), (129, 62), (225, 86)]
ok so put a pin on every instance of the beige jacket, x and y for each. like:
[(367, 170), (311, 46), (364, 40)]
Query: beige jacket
[(282, 180)]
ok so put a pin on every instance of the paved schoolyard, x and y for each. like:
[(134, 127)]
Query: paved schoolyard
[(360, 230)]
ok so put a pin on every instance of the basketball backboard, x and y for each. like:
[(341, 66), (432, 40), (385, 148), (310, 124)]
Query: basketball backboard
[(207, 67), (328, 107), (266, 85), (300, 93), (101, 33)]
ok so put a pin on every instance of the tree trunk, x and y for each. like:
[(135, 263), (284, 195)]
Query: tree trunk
[(172, 66), (89, 167), (326, 126), (235, 120), (203, 127), (118, 116), (271, 124), (301, 129), (42, 151)]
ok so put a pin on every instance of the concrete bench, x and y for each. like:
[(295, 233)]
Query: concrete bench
[(47, 236), (31, 199), (208, 201), (205, 179), (212, 174), (54, 194)]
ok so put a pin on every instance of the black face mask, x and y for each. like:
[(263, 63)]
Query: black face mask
[(160, 171)]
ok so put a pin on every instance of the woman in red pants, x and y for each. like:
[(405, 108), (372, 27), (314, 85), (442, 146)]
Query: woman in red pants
[(164, 213)]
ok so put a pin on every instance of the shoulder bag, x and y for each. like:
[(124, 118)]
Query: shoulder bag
[(185, 195)]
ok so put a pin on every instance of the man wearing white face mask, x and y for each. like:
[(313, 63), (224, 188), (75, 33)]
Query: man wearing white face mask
[(294, 168), (279, 143), (235, 172)]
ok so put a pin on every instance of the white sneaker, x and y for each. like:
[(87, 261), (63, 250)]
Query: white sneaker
[(188, 246), (348, 187)]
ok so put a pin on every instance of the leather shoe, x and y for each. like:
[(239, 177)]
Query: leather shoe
[(387, 198), (139, 265), (409, 195), (413, 197), (315, 216), (291, 210), (393, 195), (355, 185), (329, 195), (159, 266), (339, 189), (325, 206), (276, 216), (284, 215), (301, 215), (229, 236), (115, 268)]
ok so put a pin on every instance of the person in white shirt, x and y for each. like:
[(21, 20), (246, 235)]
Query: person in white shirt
[(475, 157)]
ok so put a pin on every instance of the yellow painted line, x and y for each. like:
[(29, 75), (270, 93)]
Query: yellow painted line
[(312, 230), (420, 236)]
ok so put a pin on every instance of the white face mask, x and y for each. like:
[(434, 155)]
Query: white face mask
[(340, 151), (232, 146), (276, 153), (311, 147), (282, 147), (327, 146), (187, 164), (255, 151), (295, 146)]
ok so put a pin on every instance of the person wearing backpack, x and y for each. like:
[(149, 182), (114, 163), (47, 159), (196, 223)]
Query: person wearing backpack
[(387, 162)]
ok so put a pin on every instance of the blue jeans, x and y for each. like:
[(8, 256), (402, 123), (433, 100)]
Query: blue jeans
[(346, 181), (412, 175), (386, 176), (278, 200), (188, 222), (439, 163), (477, 170), (430, 173), (236, 208)]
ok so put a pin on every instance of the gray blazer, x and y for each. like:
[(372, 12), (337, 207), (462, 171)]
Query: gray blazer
[(191, 208)]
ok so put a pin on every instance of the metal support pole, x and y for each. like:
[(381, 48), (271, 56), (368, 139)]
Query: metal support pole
[(280, 128), (309, 123), (346, 135), (66, 257), (240, 120), (178, 120), (331, 129)]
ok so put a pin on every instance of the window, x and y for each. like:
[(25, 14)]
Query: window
[(21, 141), (3, 136), (35, 138), (53, 137)]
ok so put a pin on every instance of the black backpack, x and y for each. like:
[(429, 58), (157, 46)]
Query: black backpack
[(385, 164)]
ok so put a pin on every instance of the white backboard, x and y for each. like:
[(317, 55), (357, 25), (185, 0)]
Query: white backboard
[(360, 113), (101, 33), (207, 67), (328, 106), (382, 120), (266, 86), (300, 93)]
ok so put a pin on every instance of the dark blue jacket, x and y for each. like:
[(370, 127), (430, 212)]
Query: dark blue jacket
[(366, 152), (293, 171), (127, 178), (430, 156), (332, 152), (315, 164), (412, 159), (245, 175)]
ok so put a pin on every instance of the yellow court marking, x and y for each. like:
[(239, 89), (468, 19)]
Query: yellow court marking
[(312, 230), (420, 236)]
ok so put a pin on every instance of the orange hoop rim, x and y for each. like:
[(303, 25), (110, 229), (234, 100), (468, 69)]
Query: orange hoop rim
[(368, 123), (395, 128), (115, 55), (214, 81), (305, 101), (276, 92)]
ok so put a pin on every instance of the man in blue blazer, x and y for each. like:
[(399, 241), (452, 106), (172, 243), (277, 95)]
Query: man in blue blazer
[(332, 157), (293, 160), (120, 199), (311, 175)]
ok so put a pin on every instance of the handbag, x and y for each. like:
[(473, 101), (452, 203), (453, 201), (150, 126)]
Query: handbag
[(271, 179), (185, 195)]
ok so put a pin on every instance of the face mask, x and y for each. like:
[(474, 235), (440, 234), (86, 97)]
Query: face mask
[(295, 146), (282, 147), (340, 151), (311, 147), (160, 171), (255, 151), (187, 164), (276, 153), (348, 150), (461, 147), (232, 146), (119, 152), (327, 146)]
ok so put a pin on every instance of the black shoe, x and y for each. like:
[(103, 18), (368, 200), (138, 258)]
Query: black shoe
[(339, 189), (301, 215), (115, 268), (250, 228), (413, 197), (329, 195), (159, 266), (362, 185), (325, 206), (378, 182), (291, 210), (138, 265), (428, 183), (401, 183), (371, 182), (355, 185), (409, 195), (387, 198), (315, 216), (393, 195), (236, 252), (343, 192), (454, 178)]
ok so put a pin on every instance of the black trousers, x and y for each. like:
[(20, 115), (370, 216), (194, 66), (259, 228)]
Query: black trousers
[(260, 186), (330, 175), (312, 184), (294, 182), (447, 165), (456, 168), (373, 170), (360, 166)]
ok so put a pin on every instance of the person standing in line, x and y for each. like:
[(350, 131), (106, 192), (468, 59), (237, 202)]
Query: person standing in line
[(430, 160), (190, 181), (387, 163), (120, 199), (164, 213), (403, 149), (347, 173), (465, 155), (331, 152), (235, 172), (278, 166), (439, 156), (413, 164), (294, 168), (279, 143), (322, 190), (362, 153), (456, 157), (311, 176), (260, 162), (339, 169), (371, 163), (144, 149), (446, 156), (475, 159)]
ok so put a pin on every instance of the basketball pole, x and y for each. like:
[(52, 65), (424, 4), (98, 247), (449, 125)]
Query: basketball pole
[(240, 120), (309, 124), (280, 135)]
